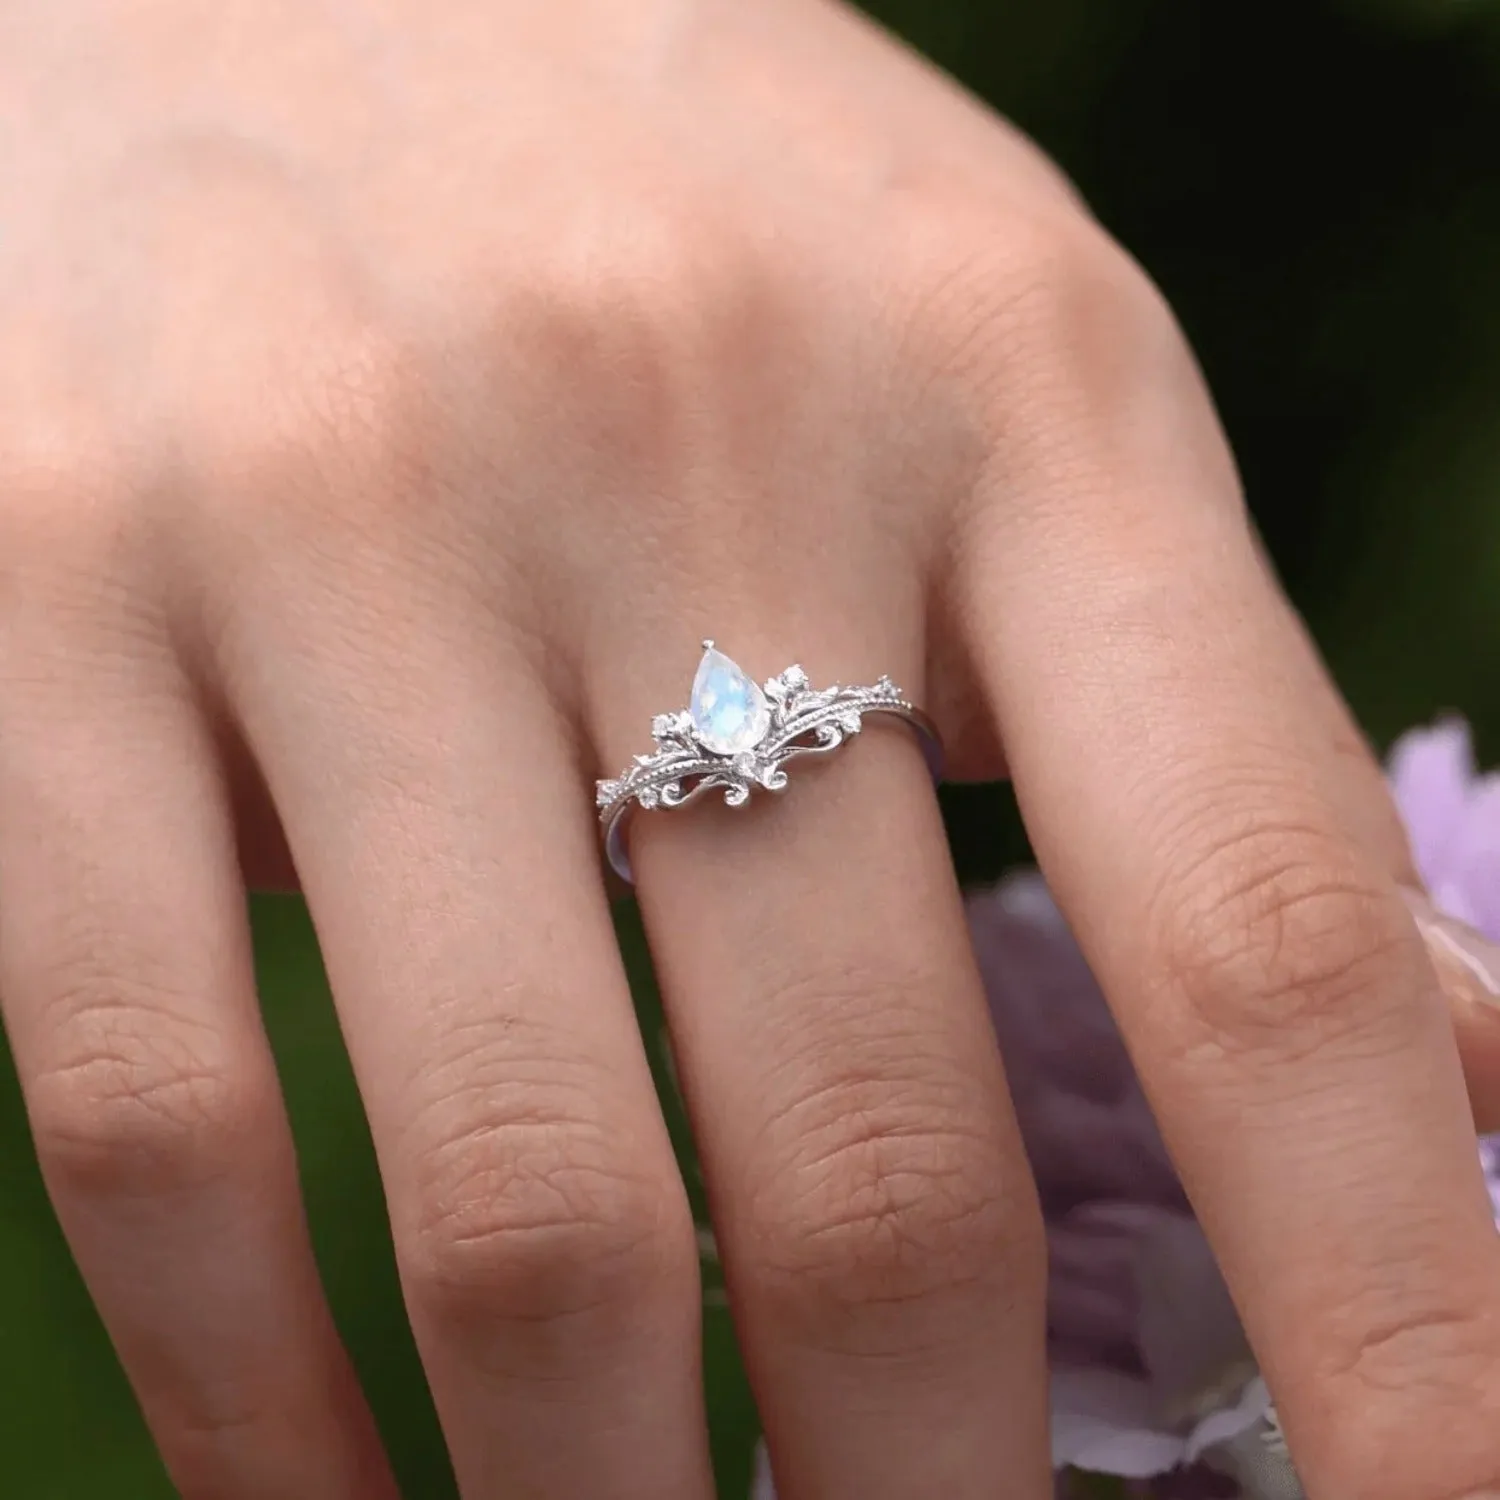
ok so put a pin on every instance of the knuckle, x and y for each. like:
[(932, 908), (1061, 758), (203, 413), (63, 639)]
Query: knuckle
[(203, 1451), (625, 339), (1062, 302), (1272, 935), (884, 1181), (524, 1206), (1055, 348), (345, 432), (65, 515), (343, 429), (1072, 282), (1431, 1370), (1440, 1349), (883, 1209), (139, 1099), (672, 268)]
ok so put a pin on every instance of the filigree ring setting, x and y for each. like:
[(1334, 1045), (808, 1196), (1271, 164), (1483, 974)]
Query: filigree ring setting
[(737, 735)]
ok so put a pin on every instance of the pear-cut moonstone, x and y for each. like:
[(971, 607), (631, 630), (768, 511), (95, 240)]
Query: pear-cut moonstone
[(730, 713)]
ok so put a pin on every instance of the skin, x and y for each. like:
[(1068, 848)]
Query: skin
[(391, 397)]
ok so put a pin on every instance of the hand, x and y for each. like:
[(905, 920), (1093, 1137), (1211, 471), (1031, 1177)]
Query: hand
[(391, 397)]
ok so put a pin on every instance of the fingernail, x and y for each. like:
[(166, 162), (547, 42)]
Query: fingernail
[(1467, 961)]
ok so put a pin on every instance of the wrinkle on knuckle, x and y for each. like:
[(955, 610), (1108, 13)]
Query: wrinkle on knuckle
[(885, 1215), (204, 1414), (138, 1100), (1383, 1398), (75, 553), (877, 1186), (1399, 1339), (1059, 359), (610, 325), (1064, 304), (328, 458), (304, 340), (1435, 1347), (204, 1435), (1268, 937), (648, 347), (524, 1206)]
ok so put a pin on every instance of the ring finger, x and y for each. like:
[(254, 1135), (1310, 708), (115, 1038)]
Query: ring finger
[(869, 1191)]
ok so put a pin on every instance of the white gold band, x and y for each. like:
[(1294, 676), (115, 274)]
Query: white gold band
[(739, 736)]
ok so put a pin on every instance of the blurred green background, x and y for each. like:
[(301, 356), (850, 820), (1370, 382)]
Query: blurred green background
[(1316, 185)]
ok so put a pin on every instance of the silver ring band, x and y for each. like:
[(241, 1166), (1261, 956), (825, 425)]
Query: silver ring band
[(738, 736)]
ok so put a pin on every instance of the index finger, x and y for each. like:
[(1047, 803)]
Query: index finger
[(1171, 756)]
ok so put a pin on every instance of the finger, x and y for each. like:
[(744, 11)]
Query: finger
[(1467, 963), (129, 997), (445, 839), (871, 1197), (1286, 1021)]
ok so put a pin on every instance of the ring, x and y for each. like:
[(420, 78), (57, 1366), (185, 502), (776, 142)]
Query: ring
[(739, 736)]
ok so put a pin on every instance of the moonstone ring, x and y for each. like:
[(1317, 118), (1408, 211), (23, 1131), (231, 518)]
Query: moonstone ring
[(738, 735)]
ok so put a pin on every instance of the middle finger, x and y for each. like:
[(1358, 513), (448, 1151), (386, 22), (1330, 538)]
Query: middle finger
[(542, 1232)]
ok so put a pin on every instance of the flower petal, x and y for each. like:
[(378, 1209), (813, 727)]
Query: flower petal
[(1189, 1328), (1257, 1459), (1489, 1160), (1101, 1421), (1088, 1130), (762, 1487), (1429, 772), (1224, 1426), (1091, 1293), (1471, 861)]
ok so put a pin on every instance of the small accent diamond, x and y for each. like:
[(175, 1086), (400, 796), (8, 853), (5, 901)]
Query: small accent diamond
[(671, 726)]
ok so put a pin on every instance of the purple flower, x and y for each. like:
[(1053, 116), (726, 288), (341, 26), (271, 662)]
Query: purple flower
[(761, 1486), (1195, 1384), (1152, 1373), (1452, 817), (1489, 1157), (1088, 1130)]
